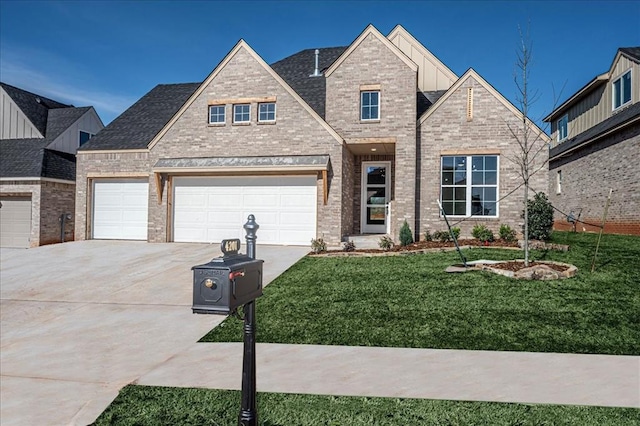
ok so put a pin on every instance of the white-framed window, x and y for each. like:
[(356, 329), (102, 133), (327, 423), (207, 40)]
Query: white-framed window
[(242, 113), (216, 114), (469, 185), (84, 137), (267, 112), (559, 182), (621, 90), (563, 128), (370, 105)]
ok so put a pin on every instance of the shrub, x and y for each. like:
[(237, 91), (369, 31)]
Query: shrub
[(442, 236), (406, 236), (386, 243), (318, 245), (482, 233), (427, 235), (349, 246), (507, 233), (540, 217), (456, 232)]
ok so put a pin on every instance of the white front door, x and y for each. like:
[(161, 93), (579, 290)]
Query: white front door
[(376, 177)]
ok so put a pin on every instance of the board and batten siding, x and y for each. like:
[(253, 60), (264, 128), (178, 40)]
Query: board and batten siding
[(69, 140), (597, 106), (14, 125)]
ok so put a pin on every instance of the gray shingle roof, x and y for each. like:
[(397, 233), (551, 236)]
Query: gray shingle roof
[(426, 99), (61, 118), (297, 68), (632, 52), (35, 107), (21, 158), (585, 137), (139, 124)]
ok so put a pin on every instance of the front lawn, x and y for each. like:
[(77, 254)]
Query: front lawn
[(409, 301), (158, 406)]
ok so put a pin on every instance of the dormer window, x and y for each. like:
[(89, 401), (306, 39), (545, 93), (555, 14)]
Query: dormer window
[(84, 137), (563, 128), (621, 90), (370, 105)]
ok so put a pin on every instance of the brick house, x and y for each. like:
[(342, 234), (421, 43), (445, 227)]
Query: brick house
[(38, 141), (325, 143), (595, 149)]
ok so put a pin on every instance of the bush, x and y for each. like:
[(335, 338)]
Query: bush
[(427, 235), (482, 233), (349, 246), (406, 236), (442, 236), (318, 245), (540, 217), (507, 233), (386, 243), (456, 232)]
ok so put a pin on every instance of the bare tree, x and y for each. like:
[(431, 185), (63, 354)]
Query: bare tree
[(529, 159)]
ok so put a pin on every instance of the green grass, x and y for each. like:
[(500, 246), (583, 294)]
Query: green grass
[(156, 406), (409, 301)]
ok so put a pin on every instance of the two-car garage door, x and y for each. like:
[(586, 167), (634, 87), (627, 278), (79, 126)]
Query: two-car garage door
[(215, 208)]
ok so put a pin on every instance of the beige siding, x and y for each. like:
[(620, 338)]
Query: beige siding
[(69, 139), (14, 125)]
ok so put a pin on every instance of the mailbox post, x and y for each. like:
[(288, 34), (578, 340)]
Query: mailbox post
[(221, 287)]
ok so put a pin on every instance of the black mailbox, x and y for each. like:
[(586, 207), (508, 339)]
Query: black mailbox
[(226, 282)]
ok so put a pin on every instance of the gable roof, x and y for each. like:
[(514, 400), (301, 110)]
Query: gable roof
[(297, 71), (34, 107), (243, 45), (631, 52), (623, 118), (140, 123), (29, 158), (371, 30), (471, 73)]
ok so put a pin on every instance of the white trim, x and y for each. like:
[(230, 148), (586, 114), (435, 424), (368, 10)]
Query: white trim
[(613, 82), (559, 182), (362, 92), (113, 151), (377, 229), (275, 109), (233, 117), (224, 115), (36, 179)]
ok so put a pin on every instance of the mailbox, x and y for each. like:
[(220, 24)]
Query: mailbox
[(226, 282)]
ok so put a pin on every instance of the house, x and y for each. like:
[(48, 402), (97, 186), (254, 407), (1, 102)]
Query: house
[(38, 141), (595, 148), (328, 143)]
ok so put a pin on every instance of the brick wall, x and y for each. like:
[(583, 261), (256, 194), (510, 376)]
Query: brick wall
[(448, 129), (296, 132), (587, 176), (56, 198), (372, 62)]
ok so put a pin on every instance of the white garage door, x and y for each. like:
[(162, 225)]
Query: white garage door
[(120, 209), (15, 221), (213, 209)]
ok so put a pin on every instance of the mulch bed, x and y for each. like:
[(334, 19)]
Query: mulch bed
[(516, 266), (421, 245)]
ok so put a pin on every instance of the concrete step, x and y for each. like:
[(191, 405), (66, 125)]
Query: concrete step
[(368, 241)]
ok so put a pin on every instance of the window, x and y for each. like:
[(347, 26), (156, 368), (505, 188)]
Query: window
[(470, 185), (559, 182), (622, 90), (241, 113), (267, 112), (216, 114), (563, 128), (84, 137), (370, 105)]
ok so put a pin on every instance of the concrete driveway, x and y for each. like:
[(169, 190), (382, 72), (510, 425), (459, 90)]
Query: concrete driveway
[(80, 320)]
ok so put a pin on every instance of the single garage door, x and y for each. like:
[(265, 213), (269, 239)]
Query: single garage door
[(212, 209), (120, 209), (15, 221)]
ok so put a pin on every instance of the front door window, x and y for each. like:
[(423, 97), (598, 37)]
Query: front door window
[(375, 196)]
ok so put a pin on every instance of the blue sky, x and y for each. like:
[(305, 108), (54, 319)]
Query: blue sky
[(109, 54)]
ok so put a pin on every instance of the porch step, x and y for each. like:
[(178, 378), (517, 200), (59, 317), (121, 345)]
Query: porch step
[(369, 241)]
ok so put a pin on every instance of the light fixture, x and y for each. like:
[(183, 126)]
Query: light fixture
[(374, 149)]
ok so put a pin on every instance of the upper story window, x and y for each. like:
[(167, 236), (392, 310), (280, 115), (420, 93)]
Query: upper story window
[(241, 113), (267, 112), (84, 137), (370, 105), (469, 185), (216, 114), (622, 90), (563, 128)]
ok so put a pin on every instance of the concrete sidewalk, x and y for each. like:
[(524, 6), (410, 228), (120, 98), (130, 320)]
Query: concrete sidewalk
[(521, 377)]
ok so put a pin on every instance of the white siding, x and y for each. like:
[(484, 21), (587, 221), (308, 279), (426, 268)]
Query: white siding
[(14, 124)]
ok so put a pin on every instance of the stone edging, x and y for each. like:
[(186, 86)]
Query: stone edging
[(569, 273)]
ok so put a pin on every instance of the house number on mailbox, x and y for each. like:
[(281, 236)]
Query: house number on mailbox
[(230, 247)]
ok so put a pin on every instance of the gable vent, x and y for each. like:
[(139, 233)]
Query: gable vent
[(469, 103)]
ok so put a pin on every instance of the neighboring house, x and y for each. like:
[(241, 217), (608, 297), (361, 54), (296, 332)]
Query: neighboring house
[(348, 140), (596, 148), (38, 141)]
